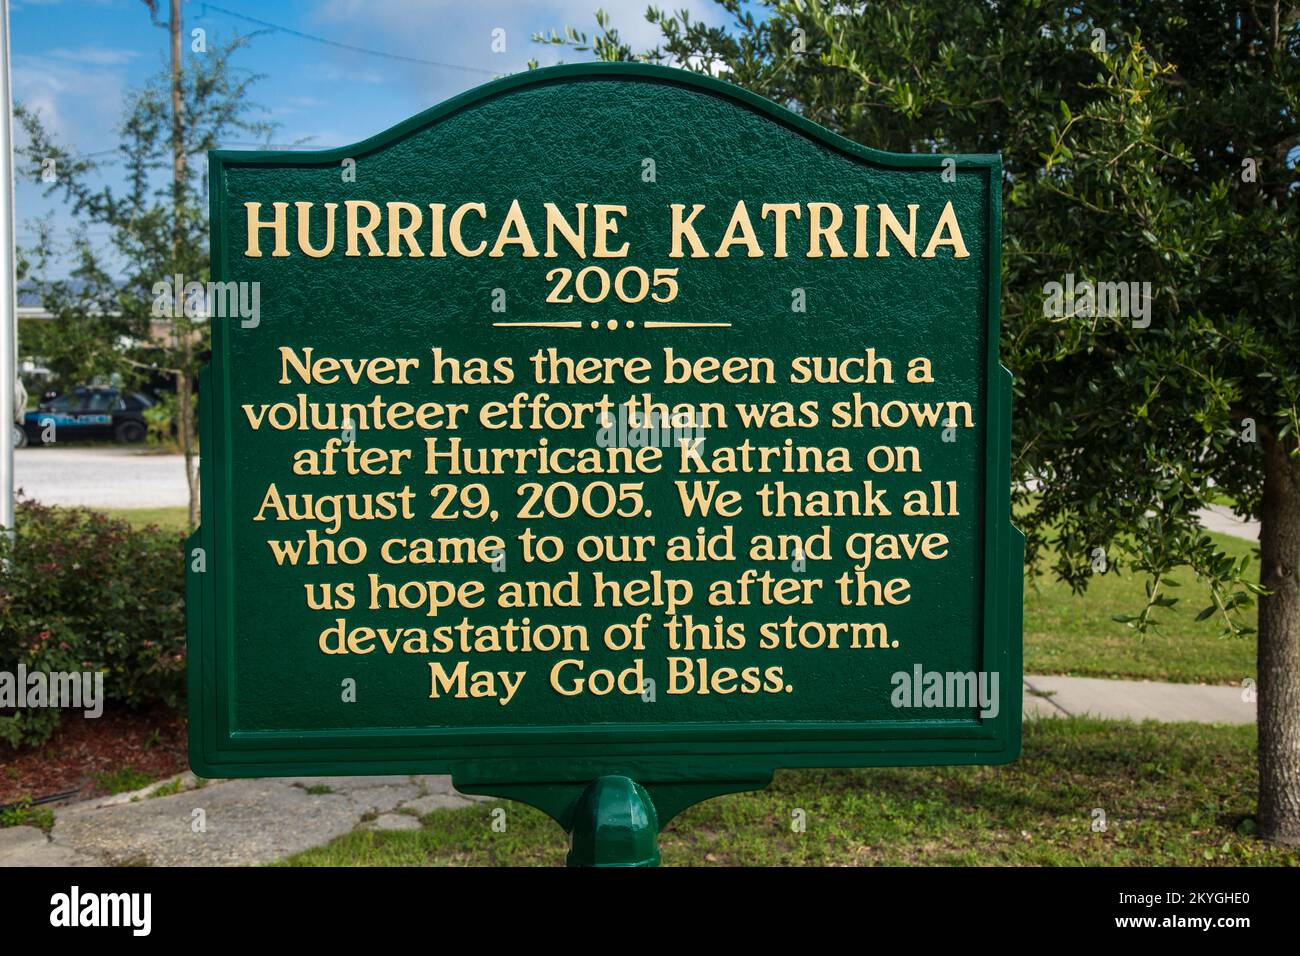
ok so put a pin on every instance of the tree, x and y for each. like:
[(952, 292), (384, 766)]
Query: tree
[(84, 342), (157, 224), (1152, 143)]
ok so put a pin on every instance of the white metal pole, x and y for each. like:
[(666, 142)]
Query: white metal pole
[(8, 281)]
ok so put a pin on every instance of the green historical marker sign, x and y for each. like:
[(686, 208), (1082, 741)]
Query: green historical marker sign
[(607, 437)]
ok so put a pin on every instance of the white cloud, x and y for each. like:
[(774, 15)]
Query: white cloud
[(628, 17), (81, 107), (460, 33), (455, 31), (95, 55), (17, 6), (313, 139), (334, 73)]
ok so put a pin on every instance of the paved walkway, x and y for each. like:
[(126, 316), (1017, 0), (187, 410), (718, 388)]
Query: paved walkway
[(243, 822), (1221, 519), (259, 821), (1136, 700)]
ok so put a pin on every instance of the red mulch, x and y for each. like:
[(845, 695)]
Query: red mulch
[(83, 749)]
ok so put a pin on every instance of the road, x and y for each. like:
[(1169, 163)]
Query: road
[(110, 476)]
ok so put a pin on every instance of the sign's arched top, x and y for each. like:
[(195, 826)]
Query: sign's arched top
[(617, 71), (604, 421)]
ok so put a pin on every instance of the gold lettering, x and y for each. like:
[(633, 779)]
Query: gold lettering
[(256, 225)]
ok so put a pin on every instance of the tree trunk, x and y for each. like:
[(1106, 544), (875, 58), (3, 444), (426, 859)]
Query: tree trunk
[(1278, 718), (181, 326)]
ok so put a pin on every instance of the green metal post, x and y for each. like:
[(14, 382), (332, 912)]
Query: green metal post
[(615, 824)]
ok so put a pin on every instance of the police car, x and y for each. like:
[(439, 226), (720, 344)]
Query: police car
[(86, 413)]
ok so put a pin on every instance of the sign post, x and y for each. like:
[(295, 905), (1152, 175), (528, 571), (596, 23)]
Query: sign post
[(10, 412), (607, 437)]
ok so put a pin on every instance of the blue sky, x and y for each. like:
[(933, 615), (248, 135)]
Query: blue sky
[(73, 60)]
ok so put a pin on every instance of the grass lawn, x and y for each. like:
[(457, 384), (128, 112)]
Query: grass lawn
[(1074, 635), (140, 517), (1065, 634), (1173, 794)]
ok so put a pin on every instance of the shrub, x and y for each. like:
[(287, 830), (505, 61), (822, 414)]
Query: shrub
[(82, 591), (23, 814)]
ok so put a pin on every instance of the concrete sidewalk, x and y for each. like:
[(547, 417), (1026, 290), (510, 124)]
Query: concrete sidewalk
[(1137, 700), (249, 822), (1222, 519), (226, 822)]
